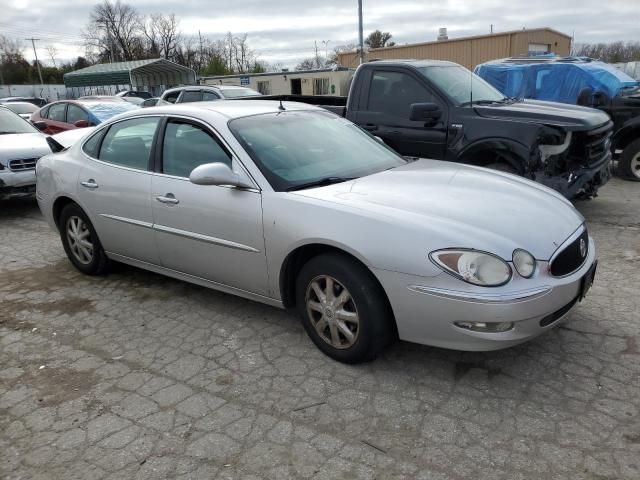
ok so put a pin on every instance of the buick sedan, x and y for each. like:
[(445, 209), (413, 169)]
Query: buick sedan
[(289, 205)]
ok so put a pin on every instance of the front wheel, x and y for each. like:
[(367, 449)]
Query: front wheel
[(343, 308), (81, 242), (629, 163)]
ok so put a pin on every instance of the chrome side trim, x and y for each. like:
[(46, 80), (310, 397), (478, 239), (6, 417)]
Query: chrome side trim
[(492, 298), (130, 221), (205, 238), (196, 280)]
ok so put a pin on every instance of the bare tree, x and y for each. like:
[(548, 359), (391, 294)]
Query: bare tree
[(334, 55), (114, 30), (609, 52), (52, 51)]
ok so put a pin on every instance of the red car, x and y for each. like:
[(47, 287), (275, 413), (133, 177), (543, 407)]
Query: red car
[(70, 114)]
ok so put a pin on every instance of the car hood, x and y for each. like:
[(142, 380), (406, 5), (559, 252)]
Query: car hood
[(22, 145), (463, 206), (571, 117)]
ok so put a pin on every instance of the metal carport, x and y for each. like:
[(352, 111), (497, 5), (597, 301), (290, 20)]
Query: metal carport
[(153, 75)]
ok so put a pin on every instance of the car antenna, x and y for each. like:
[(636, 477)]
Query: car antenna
[(281, 107)]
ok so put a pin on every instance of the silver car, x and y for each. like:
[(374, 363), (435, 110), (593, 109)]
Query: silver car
[(290, 205)]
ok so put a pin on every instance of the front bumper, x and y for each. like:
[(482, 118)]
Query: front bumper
[(427, 308), (581, 182), (14, 184)]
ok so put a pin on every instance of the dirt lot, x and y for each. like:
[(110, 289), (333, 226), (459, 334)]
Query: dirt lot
[(135, 375)]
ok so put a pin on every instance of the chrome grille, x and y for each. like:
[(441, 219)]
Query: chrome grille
[(23, 164)]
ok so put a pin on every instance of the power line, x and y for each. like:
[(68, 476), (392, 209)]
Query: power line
[(33, 42)]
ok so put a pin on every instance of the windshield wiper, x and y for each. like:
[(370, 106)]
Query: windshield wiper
[(323, 182), (489, 102)]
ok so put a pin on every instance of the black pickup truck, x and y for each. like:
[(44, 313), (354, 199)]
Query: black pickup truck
[(441, 110)]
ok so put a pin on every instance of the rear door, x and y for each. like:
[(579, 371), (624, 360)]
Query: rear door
[(211, 232), (386, 114), (115, 187)]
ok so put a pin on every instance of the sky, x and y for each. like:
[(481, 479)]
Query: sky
[(284, 31)]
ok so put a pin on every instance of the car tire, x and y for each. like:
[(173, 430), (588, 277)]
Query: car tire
[(629, 162), (354, 304), (81, 242)]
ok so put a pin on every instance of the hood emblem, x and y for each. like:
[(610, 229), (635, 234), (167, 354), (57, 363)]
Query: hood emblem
[(583, 248)]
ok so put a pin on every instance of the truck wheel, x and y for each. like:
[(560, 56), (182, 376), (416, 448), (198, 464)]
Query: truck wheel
[(502, 167), (629, 163), (343, 308)]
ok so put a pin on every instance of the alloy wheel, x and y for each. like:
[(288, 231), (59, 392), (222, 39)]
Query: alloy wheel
[(332, 312), (635, 165), (79, 238)]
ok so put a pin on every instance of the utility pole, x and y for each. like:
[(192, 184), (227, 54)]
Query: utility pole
[(360, 31), (326, 50), (33, 43)]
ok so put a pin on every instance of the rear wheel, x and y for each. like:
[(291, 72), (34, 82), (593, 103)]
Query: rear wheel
[(81, 242), (343, 308), (629, 163)]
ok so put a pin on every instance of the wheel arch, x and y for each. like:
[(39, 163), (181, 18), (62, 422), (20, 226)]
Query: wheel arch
[(627, 134), (486, 151), (58, 205)]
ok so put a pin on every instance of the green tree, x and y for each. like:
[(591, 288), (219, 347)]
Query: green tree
[(378, 39)]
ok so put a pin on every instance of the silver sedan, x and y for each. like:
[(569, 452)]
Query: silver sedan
[(295, 207)]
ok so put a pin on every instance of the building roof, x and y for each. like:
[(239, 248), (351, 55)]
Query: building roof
[(154, 71), (473, 37), (269, 74)]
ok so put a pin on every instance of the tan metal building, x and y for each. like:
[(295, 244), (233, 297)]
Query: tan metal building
[(470, 51)]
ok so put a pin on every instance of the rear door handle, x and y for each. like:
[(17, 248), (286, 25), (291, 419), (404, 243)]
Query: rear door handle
[(169, 198), (91, 183)]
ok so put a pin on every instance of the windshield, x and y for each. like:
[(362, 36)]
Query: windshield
[(104, 111), (239, 92), (12, 123), (301, 147), (21, 107), (458, 84)]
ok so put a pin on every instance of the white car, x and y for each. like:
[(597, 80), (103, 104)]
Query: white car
[(290, 205), (21, 146)]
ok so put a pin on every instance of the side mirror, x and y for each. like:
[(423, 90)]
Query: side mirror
[(42, 126), (425, 112), (379, 139), (217, 174), (81, 124)]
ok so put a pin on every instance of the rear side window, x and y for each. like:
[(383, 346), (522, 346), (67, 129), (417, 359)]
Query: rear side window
[(172, 97), (191, 96), (91, 146), (44, 112), (187, 146), (128, 143), (75, 113), (56, 112)]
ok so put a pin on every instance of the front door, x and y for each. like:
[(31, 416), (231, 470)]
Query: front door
[(386, 115), (296, 86), (115, 186), (211, 232)]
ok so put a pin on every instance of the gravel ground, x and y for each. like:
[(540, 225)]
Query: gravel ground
[(134, 375)]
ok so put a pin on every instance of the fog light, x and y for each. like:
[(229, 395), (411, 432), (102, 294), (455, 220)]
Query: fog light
[(486, 327)]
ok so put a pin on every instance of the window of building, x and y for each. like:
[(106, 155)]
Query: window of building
[(321, 86), (539, 49), (128, 143), (264, 87)]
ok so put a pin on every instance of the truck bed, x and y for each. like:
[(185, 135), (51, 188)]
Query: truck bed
[(334, 104)]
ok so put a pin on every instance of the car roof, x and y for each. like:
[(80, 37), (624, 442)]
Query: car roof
[(20, 103), (413, 63), (230, 108)]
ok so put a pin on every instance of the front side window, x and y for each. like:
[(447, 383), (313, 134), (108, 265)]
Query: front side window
[(294, 148), (75, 113), (209, 96), (56, 112), (191, 96), (187, 146), (394, 92), (461, 85), (128, 143)]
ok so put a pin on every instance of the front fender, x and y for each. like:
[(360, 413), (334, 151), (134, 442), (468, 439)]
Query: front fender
[(629, 131), (516, 153)]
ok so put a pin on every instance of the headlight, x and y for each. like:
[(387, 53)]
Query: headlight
[(524, 263), (478, 268)]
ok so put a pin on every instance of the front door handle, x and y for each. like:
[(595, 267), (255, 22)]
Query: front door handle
[(370, 127), (168, 198), (91, 183)]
